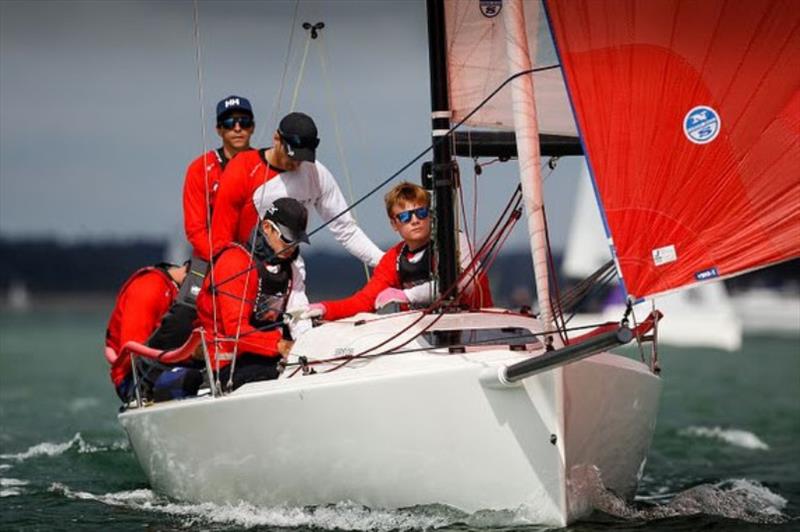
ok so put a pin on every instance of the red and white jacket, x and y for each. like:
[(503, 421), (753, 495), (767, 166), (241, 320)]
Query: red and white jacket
[(197, 203), (250, 184), (386, 275)]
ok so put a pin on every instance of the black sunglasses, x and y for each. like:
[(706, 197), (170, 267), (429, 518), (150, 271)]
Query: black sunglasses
[(230, 122), (296, 141), (420, 212)]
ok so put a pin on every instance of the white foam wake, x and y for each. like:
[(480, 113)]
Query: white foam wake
[(742, 499), (341, 516), (10, 487), (737, 437), (55, 449)]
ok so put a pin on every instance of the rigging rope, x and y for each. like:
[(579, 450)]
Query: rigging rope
[(336, 130), (204, 133), (300, 74)]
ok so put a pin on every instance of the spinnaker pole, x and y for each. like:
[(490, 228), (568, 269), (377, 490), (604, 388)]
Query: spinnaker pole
[(442, 169)]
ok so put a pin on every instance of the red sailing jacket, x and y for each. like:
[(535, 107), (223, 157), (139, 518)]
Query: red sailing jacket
[(235, 214), (142, 302), (386, 276), (232, 286), (195, 206)]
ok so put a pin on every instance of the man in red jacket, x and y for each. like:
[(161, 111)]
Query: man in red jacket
[(403, 274), (235, 126), (142, 303), (288, 169), (243, 314)]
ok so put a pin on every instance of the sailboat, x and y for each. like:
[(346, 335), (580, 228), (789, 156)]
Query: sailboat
[(496, 409), (700, 316)]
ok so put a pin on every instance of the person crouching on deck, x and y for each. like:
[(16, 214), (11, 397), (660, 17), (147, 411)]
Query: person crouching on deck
[(141, 314), (403, 274), (250, 295)]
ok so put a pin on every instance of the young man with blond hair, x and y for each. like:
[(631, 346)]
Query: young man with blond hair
[(404, 273)]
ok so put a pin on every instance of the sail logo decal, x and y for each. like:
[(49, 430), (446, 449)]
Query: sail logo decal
[(664, 255), (710, 273), (491, 8), (701, 125)]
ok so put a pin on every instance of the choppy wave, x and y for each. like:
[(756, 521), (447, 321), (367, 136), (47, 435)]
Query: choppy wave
[(10, 487), (55, 449), (345, 516), (737, 437), (341, 516), (742, 499)]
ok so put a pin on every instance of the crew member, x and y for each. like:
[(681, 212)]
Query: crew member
[(252, 293), (141, 306), (403, 275), (235, 126), (288, 169)]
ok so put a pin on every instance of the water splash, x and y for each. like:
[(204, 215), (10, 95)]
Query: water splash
[(741, 499), (737, 437), (56, 449), (341, 516)]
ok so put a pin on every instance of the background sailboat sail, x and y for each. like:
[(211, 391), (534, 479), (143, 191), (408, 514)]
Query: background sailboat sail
[(477, 64), (690, 115)]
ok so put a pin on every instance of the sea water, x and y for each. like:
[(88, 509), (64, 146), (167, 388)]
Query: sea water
[(726, 453)]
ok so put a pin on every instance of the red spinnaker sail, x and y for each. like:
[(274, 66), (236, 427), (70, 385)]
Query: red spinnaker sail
[(690, 115)]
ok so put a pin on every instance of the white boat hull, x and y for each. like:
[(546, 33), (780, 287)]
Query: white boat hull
[(405, 430)]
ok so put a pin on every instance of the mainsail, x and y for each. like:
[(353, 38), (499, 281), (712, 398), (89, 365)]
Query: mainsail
[(477, 64), (690, 117)]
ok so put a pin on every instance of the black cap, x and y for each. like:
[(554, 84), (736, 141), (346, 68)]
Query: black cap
[(231, 104), (299, 136), (290, 217)]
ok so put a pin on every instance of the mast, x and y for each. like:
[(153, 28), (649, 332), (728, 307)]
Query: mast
[(442, 169), (525, 125)]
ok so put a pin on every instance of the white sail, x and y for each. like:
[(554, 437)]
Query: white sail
[(477, 64)]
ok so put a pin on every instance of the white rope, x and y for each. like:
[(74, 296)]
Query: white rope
[(330, 100), (300, 75), (276, 106), (270, 130), (200, 98)]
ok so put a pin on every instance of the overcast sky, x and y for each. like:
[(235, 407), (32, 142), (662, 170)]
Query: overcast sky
[(100, 115)]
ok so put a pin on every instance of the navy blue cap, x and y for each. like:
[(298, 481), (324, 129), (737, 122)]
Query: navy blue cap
[(230, 104)]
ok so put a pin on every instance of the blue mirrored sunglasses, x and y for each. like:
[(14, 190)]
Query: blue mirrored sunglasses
[(230, 122), (404, 217)]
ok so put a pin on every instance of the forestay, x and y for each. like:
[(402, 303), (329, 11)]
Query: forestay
[(690, 117)]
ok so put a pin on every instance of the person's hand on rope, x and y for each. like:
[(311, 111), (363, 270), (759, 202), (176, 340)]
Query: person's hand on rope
[(285, 347), (306, 312), (390, 295)]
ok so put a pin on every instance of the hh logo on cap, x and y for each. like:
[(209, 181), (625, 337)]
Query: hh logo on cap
[(232, 101)]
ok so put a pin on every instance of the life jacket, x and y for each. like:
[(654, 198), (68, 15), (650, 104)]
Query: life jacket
[(274, 282), (414, 267), (221, 159), (116, 315)]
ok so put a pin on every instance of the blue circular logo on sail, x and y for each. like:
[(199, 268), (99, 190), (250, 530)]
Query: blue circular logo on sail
[(702, 124)]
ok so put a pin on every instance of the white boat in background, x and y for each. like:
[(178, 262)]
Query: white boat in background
[(768, 311), (493, 410), (701, 316)]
